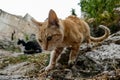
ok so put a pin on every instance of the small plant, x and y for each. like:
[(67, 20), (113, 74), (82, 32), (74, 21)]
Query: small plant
[(73, 12)]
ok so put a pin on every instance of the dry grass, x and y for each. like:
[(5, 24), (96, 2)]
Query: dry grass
[(38, 60)]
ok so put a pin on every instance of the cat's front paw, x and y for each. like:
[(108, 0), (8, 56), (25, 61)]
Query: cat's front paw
[(49, 67)]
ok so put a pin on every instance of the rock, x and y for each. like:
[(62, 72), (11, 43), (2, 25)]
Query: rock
[(110, 48), (15, 77), (17, 69)]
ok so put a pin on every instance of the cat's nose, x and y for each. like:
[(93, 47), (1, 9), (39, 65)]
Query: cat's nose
[(46, 47)]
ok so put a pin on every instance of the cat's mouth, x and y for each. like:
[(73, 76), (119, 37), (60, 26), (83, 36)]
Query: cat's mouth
[(50, 49)]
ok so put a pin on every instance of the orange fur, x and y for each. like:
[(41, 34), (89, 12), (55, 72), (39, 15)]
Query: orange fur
[(55, 34)]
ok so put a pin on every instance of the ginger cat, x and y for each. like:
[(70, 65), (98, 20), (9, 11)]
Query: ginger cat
[(55, 34)]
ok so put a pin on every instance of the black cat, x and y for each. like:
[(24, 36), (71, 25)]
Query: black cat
[(30, 47)]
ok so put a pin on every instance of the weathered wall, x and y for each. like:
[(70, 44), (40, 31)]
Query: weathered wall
[(19, 26)]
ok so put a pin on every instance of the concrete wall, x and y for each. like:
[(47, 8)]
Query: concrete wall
[(10, 23)]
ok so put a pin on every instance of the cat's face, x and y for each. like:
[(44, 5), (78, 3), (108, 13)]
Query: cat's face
[(50, 33)]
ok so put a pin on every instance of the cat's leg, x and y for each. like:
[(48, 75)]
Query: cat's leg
[(53, 57), (73, 54), (89, 45)]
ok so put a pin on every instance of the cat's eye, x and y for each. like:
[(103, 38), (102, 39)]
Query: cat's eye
[(40, 40), (49, 38)]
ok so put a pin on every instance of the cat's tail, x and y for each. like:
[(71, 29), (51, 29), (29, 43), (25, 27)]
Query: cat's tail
[(100, 39)]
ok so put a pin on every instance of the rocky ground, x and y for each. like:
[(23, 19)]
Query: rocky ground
[(18, 66), (101, 62)]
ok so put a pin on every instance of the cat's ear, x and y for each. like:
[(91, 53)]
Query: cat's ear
[(38, 24), (52, 18)]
